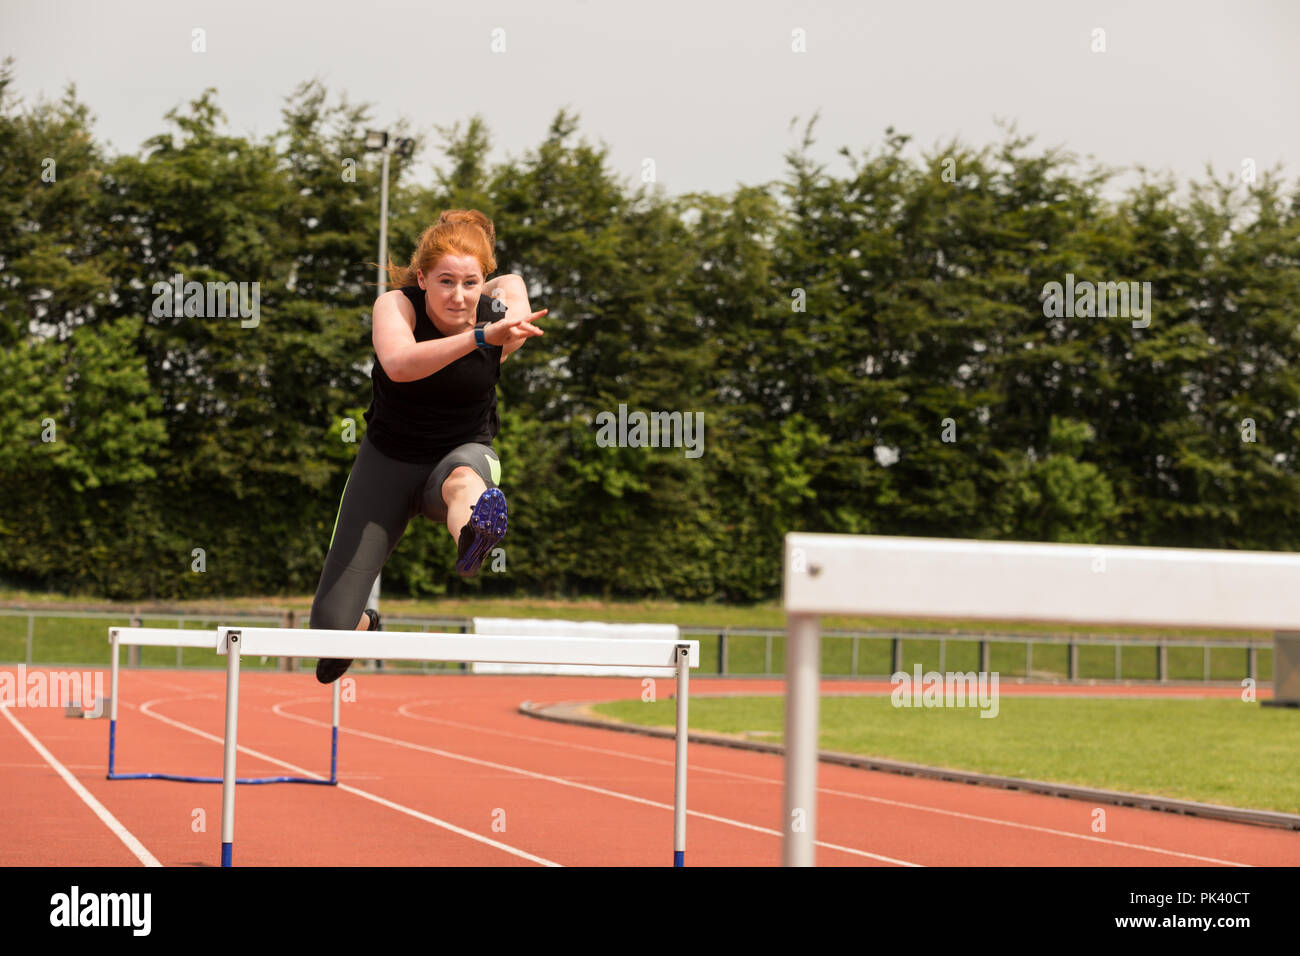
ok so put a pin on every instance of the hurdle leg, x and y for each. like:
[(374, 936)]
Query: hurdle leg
[(112, 704), (679, 791), (228, 770), (802, 670)]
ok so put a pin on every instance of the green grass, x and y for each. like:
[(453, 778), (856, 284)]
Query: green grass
[(69, 640), (1215, 751), (72, 640), (767, 614), (84, 641)]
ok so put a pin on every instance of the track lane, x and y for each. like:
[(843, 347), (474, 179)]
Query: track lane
[(569, 794)]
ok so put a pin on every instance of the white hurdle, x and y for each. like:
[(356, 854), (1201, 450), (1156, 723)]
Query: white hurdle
[(549, 627), (673, 656), (1000, 581)]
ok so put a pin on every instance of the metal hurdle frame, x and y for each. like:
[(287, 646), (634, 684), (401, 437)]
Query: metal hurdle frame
[(189, 637), (673, 656), (1001, 581)]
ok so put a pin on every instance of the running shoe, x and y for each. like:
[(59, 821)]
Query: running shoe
[(487, 526), (328, 669)]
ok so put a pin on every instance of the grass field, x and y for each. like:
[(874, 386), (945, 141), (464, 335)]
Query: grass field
[(704, 614), (1216, 751), (72, 640)]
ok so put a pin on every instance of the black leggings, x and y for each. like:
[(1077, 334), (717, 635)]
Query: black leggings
[(380, 498)]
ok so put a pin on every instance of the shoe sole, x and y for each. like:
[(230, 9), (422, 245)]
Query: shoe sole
[(330, 669), (488, 520)]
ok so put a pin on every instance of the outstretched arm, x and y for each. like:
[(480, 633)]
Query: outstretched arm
[(512, 292)]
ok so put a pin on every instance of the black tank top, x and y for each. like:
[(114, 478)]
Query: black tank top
[(420, 421)]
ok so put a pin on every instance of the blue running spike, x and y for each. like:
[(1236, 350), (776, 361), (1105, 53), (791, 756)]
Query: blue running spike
[(487, 526)]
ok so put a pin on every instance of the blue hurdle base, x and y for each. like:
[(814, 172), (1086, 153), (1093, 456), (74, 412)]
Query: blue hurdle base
[(185, 779), (679, 857), (226, 849)]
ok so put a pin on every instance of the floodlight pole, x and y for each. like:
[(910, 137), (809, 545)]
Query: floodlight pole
[(383, 228), (405, 147), (373, 600)]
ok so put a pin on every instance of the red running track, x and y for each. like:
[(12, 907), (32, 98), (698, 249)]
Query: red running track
[(444, 771)]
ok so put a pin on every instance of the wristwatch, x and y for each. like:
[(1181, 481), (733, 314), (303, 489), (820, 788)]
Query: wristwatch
[(479, 339)]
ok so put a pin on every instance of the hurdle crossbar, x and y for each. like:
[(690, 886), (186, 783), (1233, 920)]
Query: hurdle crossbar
[(673, 656), (1001, 581), (206, 640), (547, 627)]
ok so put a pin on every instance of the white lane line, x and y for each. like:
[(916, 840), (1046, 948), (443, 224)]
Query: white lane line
[(101, 811), (218, 690), (1030, 826), (827, 790), (38, 766), (375, 798), (572, 783)]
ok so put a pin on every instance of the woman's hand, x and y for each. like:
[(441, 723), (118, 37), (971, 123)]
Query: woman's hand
[(506, 332)]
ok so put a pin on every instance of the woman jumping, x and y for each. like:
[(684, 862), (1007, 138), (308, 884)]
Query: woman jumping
[(440, 338)]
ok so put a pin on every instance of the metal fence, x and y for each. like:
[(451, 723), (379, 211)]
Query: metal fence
[(31, 653), (130, 620), (735, 652), (1245, 650)]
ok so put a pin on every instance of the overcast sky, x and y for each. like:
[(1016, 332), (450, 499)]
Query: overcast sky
[(705, 89)]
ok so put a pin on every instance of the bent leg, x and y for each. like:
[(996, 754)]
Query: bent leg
[(462, 491), (459, 492), (456, 484)]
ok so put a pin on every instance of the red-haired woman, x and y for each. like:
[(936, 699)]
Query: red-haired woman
[(440, 337)]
